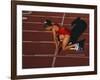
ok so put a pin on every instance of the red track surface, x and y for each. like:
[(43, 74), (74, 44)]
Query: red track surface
[(39, 47)]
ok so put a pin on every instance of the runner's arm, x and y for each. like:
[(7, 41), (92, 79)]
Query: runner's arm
[(55, 37)]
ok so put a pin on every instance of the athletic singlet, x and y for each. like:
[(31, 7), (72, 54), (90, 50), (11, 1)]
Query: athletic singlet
[(64, 31)]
